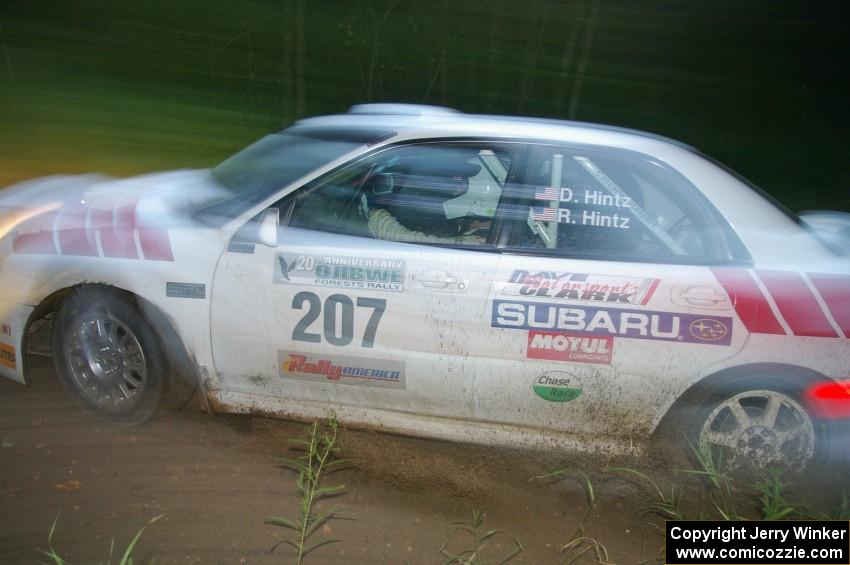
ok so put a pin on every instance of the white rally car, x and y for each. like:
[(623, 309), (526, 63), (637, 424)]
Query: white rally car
[(419, 270)]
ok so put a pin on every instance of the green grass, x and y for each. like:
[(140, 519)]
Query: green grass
[(474, 540), (319, 459), (580, 543), (126, 557)]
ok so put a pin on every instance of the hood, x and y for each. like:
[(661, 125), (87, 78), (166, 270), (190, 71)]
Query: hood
[(77, 214)]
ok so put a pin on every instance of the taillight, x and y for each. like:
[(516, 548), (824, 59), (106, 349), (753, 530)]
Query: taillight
[(829, 400)]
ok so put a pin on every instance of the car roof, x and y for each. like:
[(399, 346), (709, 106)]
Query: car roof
[(437, 121)]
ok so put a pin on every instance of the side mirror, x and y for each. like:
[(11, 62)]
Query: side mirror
[(267, 227)]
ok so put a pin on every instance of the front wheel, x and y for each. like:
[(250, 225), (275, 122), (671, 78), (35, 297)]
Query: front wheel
[(106, 356), (758, 424)]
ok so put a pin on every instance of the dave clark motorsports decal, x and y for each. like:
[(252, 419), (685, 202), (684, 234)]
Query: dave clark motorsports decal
[(580, 287), (615, 322), (339, 369), (557, 386), (339, 272)]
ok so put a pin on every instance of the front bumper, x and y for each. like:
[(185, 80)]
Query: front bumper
[(13, 321)]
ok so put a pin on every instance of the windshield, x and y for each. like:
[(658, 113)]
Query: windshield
[(277, 160)]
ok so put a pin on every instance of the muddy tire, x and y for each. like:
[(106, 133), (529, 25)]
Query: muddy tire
[(107, 357), (758, 423)]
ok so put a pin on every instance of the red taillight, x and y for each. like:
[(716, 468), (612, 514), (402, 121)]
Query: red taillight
[(829, 400)]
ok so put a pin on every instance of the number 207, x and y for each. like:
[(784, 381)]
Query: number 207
[(346, 307)]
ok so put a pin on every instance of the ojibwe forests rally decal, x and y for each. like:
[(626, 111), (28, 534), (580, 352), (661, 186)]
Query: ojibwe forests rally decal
[(339, 272), (580, 287)]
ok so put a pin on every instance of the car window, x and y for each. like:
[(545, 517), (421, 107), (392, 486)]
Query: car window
[(613, 204), (277, 160), (427, 193)]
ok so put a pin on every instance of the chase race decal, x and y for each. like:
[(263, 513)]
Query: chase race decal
[(341, 369), (614, 322), (580, 287), (557, 386), (339, 272)]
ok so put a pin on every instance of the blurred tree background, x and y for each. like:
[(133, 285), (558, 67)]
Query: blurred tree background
[(129, 86)]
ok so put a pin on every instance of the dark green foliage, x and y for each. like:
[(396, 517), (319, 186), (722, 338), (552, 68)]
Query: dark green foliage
[(130, 85)]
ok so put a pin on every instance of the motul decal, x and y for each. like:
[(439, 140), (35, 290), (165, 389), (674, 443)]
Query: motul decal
[(569, 347), (78, 230)]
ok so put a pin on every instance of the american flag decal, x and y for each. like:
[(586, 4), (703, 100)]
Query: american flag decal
[(545, 193), (542, 214)]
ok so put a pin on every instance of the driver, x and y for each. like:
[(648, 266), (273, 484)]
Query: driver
[(406, 204)]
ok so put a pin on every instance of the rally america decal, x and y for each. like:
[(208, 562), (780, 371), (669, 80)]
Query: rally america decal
[(339, 272), (340, 369), (615, 322), (580, 287), (7, 356)]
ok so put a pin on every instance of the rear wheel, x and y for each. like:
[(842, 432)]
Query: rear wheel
[(758, 424), (107, 357)]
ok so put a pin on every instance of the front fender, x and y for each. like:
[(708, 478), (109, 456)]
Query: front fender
[(13, 322)]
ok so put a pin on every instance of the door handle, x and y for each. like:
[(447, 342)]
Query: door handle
[(439, 280), (434, 280)]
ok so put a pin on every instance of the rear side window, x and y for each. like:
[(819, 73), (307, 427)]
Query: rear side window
[(616, 205)]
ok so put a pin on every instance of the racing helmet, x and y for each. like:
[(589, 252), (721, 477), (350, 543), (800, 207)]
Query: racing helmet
[(414, 190)]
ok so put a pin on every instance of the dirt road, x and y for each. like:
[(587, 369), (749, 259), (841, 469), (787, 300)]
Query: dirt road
[(214, 479)]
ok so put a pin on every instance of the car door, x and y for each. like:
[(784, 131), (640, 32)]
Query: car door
[(603, 303), (343, 315)]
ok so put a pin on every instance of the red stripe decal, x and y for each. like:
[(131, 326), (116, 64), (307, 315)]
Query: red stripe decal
[(835, 291), (73, 236), (797, 304), (750, 304), (650, 291), (36, 235), (155, 244), (117, 237)]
